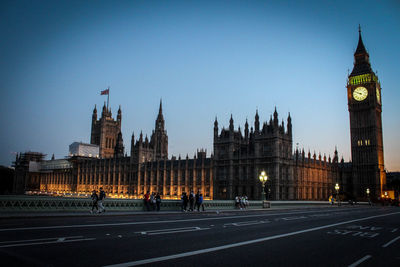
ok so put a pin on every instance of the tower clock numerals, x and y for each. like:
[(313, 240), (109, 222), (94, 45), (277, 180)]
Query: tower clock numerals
[(360, 93), (378, 96)]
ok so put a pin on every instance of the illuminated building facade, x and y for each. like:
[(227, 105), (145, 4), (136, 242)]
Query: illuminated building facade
[(237, 160)]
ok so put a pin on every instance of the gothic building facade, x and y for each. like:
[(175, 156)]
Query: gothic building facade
[(237, 160)]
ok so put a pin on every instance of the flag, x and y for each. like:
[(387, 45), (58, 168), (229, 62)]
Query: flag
[(105, 92)]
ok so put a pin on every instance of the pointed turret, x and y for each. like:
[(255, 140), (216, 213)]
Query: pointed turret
[(275, 118), (231, 127), (160, 119), (94, 115), (361, 59), (246, 130), (257, 123), (119, 115), (289, 125), (104, 111), (215, 128), (141, 137), (132, 144)]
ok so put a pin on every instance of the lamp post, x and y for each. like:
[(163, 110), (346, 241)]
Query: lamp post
[(369, 201), (263, 179), (337, 193)]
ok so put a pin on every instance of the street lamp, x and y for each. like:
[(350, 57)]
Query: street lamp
[(263, 179), (369, 201), (337, 193)]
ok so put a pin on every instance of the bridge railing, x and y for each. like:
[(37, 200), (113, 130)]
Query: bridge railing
[(45, 203)]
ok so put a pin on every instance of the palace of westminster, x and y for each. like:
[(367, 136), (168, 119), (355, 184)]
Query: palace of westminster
[(236, 163)]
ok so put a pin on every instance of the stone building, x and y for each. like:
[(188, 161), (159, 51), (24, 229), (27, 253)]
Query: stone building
[(237, 161)]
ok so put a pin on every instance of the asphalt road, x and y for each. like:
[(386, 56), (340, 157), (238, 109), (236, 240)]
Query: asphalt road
[(334, 236)]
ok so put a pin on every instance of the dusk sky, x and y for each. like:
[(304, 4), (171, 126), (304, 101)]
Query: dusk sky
[(203, 58)]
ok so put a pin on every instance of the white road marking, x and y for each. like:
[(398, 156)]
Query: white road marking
[(61, 239), (158, 222), (40, 239), (172, 231), (360, 261), (394, 230), (246, 223), (49, 242), (390, 242), (239, 244)]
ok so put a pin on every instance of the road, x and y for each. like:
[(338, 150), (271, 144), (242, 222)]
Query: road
[(334, 236)]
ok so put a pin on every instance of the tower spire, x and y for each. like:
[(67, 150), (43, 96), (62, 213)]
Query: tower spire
[(361, 58)]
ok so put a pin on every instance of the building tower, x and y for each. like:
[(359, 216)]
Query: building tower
[(105, 131), (159, 138), (365, 108)]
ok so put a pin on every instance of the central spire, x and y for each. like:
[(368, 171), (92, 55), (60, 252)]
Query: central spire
[(160, 110)]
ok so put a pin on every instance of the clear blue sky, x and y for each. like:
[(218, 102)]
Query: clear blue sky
[(204, 59)]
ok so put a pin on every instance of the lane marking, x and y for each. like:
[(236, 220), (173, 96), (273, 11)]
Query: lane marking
[(394, 230), (172, 231), (239, 244), (360, 261), (390, 242), (246, 223), (170, 221), (49, 242), (40, 239)]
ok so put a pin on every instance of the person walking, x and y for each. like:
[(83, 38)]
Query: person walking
[(191, 201), (146, 201), (153, 201), (184, 201), (197, 200), (158, 201), (237, 202), (95, 199), (201, 203), (102, 196)]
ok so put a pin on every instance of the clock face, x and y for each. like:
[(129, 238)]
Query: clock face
[(360, 93), (378, 96)]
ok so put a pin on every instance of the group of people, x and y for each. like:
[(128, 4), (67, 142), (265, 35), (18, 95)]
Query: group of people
[(195, 201), (241, 202), (97, 201), (152, 201)]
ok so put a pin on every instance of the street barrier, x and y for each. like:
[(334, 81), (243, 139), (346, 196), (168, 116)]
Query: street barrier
[(26, 203)]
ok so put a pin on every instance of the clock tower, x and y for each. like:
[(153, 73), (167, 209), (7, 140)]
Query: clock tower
[(365, 108)]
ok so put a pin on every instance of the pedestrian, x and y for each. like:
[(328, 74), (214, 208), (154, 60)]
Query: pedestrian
[(197, 200), (191, 201), (146, 201), (95, 199), (201, 203), (102, 196), (158, 201), (246, 202), (184, 201), (153, 201), (237, 202), (241, 199)]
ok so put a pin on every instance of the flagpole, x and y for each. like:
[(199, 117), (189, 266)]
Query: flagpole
[(108, 96)]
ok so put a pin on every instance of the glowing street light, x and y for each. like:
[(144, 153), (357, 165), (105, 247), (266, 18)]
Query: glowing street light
[(369, 201), (337, 193), (263, 179)]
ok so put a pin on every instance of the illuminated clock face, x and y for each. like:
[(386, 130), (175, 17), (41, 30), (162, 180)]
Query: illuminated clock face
[(360, 93), (378, 95)]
